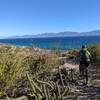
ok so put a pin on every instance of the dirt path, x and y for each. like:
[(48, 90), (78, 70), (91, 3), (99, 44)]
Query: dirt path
[(73, 66), (89, 92)]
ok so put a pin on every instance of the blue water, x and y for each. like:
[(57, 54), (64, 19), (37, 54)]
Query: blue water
[(62, 42)]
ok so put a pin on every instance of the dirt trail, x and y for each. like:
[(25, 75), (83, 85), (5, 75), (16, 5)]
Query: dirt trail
[(72, 66), (89, 92)]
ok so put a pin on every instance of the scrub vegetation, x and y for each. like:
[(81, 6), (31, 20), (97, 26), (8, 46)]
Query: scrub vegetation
[(36, 73)]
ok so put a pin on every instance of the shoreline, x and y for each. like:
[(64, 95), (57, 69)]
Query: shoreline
[(49, 49), (61, 43)]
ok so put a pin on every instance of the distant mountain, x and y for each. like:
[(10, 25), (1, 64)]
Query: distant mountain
[(61, 34)]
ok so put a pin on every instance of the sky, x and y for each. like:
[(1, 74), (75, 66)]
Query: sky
[(27, 17)]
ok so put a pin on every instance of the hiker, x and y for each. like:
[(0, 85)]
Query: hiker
[(84, 56)]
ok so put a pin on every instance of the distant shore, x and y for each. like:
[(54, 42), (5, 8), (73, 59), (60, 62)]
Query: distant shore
[(62, 43)]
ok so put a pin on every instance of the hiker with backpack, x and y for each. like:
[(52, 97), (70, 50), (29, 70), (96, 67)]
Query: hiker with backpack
[(84, 56)]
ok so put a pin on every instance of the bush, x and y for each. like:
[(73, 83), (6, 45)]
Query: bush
[(10, 68), (15, 61), (95, 53), (73, 54), (40, 66)]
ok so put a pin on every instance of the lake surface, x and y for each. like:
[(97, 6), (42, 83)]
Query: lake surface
[(55, 42)]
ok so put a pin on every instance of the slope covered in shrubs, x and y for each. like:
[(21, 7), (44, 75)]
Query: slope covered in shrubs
[(15, 61), (21, 65)]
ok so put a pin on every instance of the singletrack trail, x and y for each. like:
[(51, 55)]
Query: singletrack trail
[(89, 92)]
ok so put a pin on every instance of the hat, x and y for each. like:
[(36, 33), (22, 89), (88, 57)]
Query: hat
[(83, 46)]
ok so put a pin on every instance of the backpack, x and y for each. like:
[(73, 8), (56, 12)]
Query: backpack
[(84, 55)]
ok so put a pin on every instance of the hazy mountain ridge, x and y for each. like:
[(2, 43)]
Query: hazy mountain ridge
[(61, 34)]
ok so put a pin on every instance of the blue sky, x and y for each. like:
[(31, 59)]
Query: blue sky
[(24, 17)]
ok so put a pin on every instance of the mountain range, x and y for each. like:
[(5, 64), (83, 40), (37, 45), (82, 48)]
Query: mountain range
[(61, 34)]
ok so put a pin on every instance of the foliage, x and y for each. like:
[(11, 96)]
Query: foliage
[(41, 66), (47, 91), (10, 68), (72, 53), (95, 53), (15, 61)]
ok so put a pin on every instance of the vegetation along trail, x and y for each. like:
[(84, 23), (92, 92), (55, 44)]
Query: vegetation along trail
[(91, 91)]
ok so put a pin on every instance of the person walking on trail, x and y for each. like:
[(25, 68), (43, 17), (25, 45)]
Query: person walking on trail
[(84, 56)]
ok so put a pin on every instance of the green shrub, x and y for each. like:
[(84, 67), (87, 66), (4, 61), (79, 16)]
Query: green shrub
[(95, 53), (73, 53), (40, 66), (11, 68)]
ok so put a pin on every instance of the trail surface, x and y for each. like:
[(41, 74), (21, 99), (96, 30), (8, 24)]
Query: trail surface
[(89, 92)]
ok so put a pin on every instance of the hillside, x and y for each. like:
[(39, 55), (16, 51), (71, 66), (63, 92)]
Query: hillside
[(61, 34), (27, 72)]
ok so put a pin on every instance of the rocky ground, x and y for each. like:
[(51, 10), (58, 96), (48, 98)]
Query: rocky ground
[(89, 92)]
